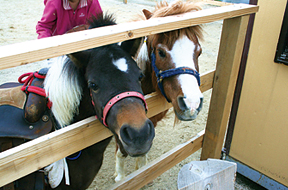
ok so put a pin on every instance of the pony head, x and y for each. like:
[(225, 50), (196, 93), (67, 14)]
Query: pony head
[(94, 78), (170, 61)]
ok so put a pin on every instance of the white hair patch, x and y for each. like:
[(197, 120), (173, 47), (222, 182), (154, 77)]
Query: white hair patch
[(185, 58), (142, 57), (188, 82), (121, 64)]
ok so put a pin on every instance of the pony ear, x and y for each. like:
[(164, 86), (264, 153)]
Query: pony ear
[(147, 13), (80, 59), (132, 46)]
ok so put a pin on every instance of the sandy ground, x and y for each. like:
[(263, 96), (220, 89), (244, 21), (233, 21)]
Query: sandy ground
[(18, 20)]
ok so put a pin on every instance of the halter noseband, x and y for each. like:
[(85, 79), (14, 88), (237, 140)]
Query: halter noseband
[(170, 72), (117, 98)]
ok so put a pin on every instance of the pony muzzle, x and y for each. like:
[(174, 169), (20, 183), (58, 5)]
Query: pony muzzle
[(137, 141), (186, 114)]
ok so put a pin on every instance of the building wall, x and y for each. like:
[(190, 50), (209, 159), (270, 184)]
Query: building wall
[(260, 138)]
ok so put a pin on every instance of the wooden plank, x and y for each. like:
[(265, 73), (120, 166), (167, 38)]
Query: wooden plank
[(36, 50), (156, 104), (217, 3), (207, 80), (158, 166), (26, 158), (229, 57)]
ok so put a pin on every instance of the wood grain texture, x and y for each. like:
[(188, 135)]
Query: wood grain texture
[(229, 57), (207, 80), (36, 50)]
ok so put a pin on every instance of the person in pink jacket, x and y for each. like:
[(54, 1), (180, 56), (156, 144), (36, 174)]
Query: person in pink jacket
[(60, 16)]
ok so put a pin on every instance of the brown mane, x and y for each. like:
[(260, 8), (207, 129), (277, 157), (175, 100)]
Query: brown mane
[(163, 9)]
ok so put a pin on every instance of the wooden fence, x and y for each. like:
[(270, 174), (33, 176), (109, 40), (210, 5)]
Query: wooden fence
[(33, 155)]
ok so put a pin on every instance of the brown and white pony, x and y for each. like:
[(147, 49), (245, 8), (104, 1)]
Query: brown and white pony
[(169, 62)]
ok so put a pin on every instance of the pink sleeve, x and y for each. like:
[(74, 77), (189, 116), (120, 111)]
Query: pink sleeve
[(47, 24), (94, 7)]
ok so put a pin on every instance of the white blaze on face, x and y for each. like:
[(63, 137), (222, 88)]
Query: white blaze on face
[(121, 64), (182, 55)]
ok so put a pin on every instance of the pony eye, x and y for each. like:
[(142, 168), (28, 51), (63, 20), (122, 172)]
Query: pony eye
[(141, 76), (93, 86), (161, 53), (200, 52)]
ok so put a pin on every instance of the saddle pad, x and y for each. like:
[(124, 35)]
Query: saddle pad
[(13, 124)]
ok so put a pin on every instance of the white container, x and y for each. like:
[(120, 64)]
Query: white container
[(211, 174)]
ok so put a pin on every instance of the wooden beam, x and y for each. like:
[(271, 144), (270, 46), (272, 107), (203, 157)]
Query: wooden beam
[(229, 57), (217, 3), (207, 80), (29, 157), (36, 50), (147, 173)]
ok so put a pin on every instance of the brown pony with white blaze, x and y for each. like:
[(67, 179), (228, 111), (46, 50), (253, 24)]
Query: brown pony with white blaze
[(169, 62)]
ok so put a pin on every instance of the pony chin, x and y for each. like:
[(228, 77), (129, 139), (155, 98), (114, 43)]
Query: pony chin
[(134, 152)]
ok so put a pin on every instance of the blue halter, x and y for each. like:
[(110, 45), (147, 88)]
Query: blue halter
[(171, 72), (76, 157)]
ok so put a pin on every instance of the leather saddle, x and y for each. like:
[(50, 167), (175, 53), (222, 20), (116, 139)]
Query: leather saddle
[(24, 115)]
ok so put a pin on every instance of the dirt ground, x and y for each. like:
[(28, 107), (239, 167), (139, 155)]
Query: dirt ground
[(18, 21)]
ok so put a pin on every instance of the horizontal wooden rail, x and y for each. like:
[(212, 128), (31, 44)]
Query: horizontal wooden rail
[(158, 166), (33, 155), (36, 50), (217, 3)]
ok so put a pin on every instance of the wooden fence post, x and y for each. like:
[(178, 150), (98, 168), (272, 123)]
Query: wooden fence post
[(229, 57)]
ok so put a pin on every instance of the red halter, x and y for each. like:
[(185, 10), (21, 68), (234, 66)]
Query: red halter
[(117, 98)]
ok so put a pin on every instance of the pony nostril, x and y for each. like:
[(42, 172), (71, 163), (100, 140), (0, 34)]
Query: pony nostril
[(200, 105), (126, 134), (151, 130), (188, 105), (181, 103)]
